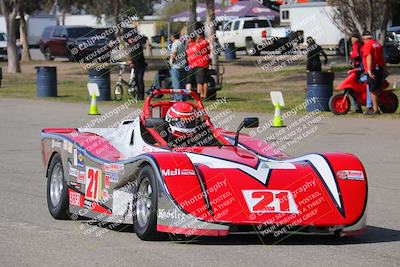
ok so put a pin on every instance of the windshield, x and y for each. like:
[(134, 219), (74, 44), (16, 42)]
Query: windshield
[(203, 136), (81, 32), (2, 37), (250, 24)]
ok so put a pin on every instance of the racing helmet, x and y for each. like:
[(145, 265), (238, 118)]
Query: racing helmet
[(182, 119)]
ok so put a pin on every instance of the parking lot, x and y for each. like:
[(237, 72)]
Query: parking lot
[(31, 237)]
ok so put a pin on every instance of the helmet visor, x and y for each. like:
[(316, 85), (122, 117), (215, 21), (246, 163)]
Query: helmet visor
[(179, 123)]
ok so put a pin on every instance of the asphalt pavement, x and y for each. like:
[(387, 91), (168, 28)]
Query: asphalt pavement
[(29, 236)]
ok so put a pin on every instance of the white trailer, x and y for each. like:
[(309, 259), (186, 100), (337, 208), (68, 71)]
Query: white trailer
[(315, 19), (35, 26), (3, 27), (87, 20), (147, 28)]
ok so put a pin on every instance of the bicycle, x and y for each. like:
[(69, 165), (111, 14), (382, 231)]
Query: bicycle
[(132, 87)]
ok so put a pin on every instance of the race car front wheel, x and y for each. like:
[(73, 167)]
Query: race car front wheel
[(57, 195), (145, 205)]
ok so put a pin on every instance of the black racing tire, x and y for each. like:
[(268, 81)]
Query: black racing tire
[(146, 229), (251, 48), (58, 210), (388, 102), (47, 54), (118, 92)]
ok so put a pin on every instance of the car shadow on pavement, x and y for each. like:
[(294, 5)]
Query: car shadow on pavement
[(373, 234)]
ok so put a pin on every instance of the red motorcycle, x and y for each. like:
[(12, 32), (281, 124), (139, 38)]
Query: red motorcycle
[(351, 86)]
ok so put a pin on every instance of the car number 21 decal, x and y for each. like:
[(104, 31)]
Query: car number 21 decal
[(92, 183), (270, 201)]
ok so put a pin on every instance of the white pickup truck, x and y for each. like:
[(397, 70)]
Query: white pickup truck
[(254, 35)]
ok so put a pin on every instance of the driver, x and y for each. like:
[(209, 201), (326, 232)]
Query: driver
[(182, 121), (186, 128)]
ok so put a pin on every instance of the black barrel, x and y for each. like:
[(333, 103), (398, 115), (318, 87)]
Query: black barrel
[(46, 81), (319, 90), (102, 78), (230, 52), (318, 77)]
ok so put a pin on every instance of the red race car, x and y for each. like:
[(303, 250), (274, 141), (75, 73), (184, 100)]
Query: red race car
[(170, 171)]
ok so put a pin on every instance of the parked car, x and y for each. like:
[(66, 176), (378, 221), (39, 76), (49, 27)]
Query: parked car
[(3, 47), (253, 35), (72, 42), (392, 45)]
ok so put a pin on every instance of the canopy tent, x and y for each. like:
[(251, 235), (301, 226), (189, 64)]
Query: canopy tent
[(201, 13), (241, 9), (250, 9)]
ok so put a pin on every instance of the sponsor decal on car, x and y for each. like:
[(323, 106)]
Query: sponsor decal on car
[(74, 198), (75, 185), (270, 201), (69, 148), (55, 143), (79, 159), (87, 204), (107, 181), (104, 194), (93, 184), (175, 172), (351, 175), (279, 165), (81, 177), (111, 177), (147, 149), (164, 214), (113, 168), (73, 172)]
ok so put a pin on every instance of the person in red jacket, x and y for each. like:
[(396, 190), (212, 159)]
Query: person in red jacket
[(202, 61), (374, 63), (190, 56), (356, 62), (355, 54)]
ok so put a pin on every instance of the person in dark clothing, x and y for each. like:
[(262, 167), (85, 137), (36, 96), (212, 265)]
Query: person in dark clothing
[(313, 55), (137, 61)]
